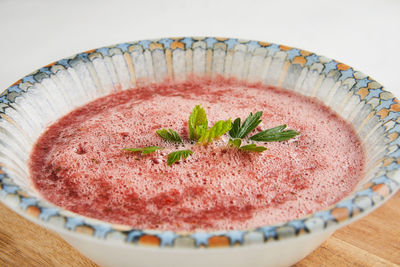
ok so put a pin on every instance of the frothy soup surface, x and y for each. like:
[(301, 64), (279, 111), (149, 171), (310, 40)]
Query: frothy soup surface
[(79, 164)]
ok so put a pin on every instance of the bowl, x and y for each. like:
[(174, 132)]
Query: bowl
[(36, 100)]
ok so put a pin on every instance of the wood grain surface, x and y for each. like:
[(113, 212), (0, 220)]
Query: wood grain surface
[(371, 241)]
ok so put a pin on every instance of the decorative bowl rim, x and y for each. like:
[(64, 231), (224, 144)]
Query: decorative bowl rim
[(359, 203)]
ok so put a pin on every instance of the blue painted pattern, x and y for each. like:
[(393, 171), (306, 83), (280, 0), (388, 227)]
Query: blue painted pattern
[(292, 53), (331, 65), (272, 49), (103, 51), (124, 47), (346, 74), (133, 236), (251, 45), (101, 230), (268, 231), (166, 42), (210, 42), (47, 213), (4, 99), (73, 222), (15, 88), (231, 43), (167, 238), (312, 59), (235, 237), (201, 238), (188, 42), (26, 202)]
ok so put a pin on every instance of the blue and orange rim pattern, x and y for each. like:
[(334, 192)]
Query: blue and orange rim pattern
[(372, 194)]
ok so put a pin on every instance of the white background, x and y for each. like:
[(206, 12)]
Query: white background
[(363, 34)]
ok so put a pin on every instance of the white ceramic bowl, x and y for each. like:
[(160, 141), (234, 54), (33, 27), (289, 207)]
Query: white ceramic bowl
[(42, 97)]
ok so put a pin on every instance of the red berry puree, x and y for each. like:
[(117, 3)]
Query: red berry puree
[(78, 162)]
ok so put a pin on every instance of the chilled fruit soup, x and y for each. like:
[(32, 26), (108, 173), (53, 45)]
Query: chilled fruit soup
[(79, 162)]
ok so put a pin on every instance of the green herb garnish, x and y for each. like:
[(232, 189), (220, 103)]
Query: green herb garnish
[(274, 134), (169, 135), (177, 155), (237, 142), (249, 124), (253, 148), (198, 123), (199, 131), (218, 130), (144, 150)]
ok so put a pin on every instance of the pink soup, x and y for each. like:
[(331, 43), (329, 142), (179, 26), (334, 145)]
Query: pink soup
[(78, 163)]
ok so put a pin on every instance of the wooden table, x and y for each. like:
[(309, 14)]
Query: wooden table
[(371, 241)]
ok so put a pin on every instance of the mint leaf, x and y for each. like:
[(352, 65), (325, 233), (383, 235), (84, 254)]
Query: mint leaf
[(274, 134), (144, 150), (198, 122), (169, 135), (253, 148), (249, 124), (177, 155), (218, 130), (234, 132), (235, 142), (201, 130)]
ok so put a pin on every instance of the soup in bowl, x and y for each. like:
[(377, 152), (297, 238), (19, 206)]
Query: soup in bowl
[(200, 151)]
